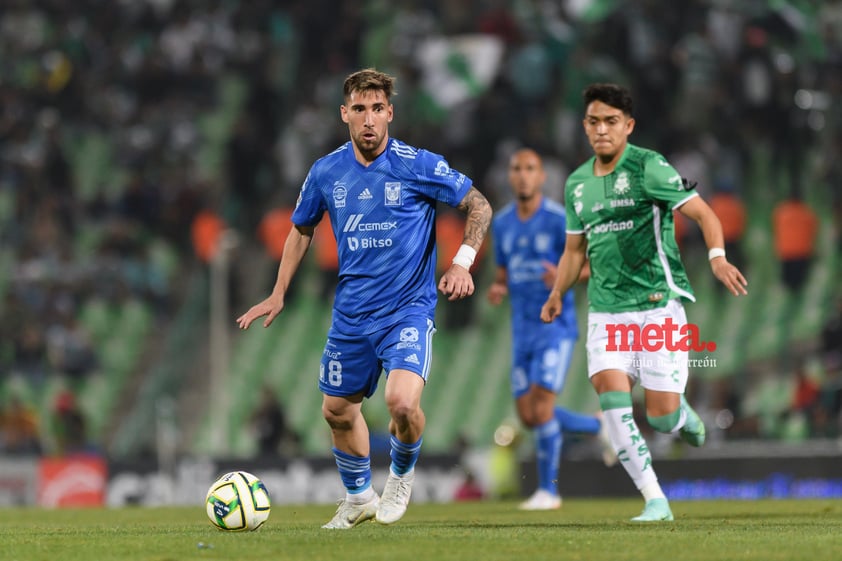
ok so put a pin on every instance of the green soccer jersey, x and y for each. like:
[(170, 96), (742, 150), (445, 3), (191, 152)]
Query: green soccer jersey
[(626, 217)]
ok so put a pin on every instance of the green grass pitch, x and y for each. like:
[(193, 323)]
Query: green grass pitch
[(590, 530)]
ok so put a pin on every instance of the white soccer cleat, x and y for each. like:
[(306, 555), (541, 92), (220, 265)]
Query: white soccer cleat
[(395, 497), (349, 515), (541, 500)]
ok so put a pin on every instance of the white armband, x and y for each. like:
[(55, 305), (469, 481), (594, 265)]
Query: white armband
[(715, 252), (465, 256)]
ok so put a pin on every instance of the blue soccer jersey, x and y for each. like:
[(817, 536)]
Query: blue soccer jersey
[(523, 248), (383, 218)]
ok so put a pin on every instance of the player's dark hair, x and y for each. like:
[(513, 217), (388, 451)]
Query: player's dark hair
[(610, 94), (367, 80)]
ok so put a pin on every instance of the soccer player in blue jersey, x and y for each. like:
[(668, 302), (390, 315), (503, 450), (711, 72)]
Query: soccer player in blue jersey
[(529, 236), (381, 196)]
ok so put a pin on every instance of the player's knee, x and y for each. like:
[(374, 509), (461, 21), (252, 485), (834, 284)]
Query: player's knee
[(536, 407), (527, 419), (338, 418), (402, 413), (402, 410), (664, 423), (535, 418)]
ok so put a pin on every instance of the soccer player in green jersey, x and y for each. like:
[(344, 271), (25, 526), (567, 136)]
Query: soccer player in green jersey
[(619, 217)]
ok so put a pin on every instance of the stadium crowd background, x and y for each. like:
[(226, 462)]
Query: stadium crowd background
[(132, 132)]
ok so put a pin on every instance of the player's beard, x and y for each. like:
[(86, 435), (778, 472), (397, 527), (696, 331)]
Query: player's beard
[(526, 196), (370, 148)]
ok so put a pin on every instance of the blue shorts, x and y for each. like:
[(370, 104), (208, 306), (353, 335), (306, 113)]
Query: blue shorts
[(542, 362), (353, 363)]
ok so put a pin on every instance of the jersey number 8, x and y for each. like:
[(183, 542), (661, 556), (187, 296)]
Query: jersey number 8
[(334, 373)]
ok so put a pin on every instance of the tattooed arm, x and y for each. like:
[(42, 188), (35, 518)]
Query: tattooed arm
[(457, 281), (478, 211)]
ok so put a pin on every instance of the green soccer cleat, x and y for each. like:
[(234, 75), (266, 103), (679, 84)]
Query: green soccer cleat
[(656, 510), (693, 431)]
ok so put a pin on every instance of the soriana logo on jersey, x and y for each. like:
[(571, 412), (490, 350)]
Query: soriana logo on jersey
[(73, 481)]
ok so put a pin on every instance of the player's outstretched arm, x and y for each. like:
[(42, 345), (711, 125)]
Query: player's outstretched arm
[(457, 282), (295, 248), (698, 210), (569, 268)]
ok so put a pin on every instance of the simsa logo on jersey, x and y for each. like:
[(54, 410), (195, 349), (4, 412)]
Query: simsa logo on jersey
[(653, 337)]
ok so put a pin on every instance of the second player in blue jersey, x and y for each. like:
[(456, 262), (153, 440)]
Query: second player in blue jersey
[(529, 236)]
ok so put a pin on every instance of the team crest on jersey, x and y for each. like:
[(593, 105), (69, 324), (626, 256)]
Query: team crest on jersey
[(393, 193), (542, 242), (442, 168), (340, 193), (622, 185)]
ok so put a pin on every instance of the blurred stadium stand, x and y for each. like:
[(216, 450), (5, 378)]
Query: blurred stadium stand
[(120, 121)]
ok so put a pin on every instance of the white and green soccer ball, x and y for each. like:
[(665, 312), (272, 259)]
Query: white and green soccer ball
[(238, 501)]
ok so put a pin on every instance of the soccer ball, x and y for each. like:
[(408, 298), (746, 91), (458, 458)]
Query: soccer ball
[(238, 501)]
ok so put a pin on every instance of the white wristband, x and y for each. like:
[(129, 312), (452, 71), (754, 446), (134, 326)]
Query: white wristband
[(465, 256), (715, 252)]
